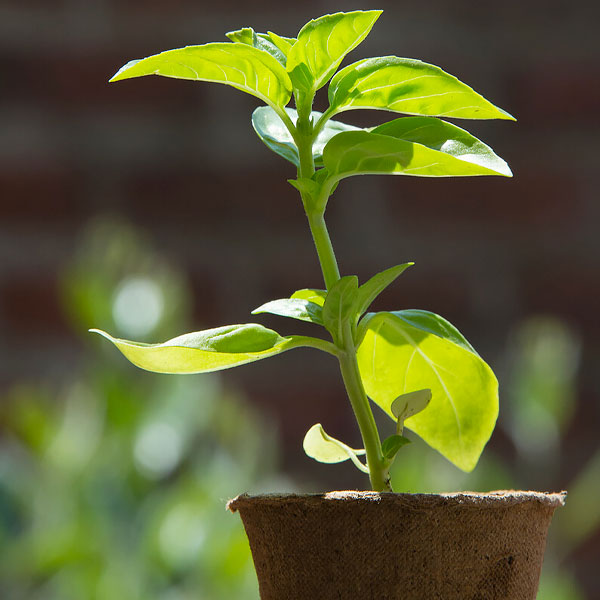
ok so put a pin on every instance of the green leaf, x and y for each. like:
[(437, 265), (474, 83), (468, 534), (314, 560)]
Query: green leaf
[(400, 352), (210, 350), (408, 405), (408, 86), (392, 444), (367, 153), (283, 43), (315, 296), (272, 131), (262, 41), (339, 305), (447, 138), (322, 44), (239, 65), (369, 290), (326, 449), (296, 308)]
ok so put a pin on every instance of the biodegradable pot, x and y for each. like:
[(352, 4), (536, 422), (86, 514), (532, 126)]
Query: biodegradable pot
[(363, 545)]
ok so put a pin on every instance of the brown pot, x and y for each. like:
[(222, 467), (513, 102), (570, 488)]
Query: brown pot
[(363, 545)]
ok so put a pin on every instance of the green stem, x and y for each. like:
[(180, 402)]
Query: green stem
[(378, 467), (304, 136)]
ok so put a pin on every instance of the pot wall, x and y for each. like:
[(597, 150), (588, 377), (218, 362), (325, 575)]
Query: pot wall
[(363, 545)]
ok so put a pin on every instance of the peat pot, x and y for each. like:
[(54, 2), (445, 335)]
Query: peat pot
[(380, 546)]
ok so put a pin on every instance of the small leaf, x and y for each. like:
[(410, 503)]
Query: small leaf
[(368, 153), (447, 138), (315, 296), (210, 350), (296, 308), (392, 444), (408, 86), (239, 65), (369, 290), (272, 131), (408, 405), (283, 43), (322, 44), (262, 41), (339, 305), (326, 449), (400, 352)]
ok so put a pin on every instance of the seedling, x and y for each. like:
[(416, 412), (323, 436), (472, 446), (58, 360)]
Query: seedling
[(413, 364)]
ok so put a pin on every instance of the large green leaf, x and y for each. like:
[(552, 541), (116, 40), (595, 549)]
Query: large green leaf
[(295, 308), (323, 43), (242, 66), (397, 354), (408, 86), (364, 153), (326, 449), (210, 350), (447, 138), (272, 131)]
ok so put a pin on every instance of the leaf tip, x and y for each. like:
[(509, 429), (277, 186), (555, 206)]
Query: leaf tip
[(121, 73)]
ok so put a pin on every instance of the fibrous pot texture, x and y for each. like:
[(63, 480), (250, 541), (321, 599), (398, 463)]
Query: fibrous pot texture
[(380, 546)]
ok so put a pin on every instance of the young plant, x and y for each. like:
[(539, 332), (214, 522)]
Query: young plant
[(413, 364)]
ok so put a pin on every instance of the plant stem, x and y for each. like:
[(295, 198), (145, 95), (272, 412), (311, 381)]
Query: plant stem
[(377, 465), (378, 468)]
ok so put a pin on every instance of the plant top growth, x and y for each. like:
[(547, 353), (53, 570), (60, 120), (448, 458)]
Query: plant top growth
[(412, 363)]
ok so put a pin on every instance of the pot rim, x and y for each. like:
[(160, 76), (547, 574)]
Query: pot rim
[(497, 498)]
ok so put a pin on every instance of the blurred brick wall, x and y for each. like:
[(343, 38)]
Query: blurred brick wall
[(181, 160)]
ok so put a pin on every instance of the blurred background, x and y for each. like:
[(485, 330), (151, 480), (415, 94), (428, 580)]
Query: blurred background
[(149, 208)]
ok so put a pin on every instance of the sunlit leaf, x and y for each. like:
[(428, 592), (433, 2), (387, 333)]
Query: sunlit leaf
[(296, 308), (315, 296), (239, 65), (272, 131), (209, 350), (339, 305), (326, 449), (283, 43), (409, 404), (408, 86), (369, 290), (365, 153), (323, 43), (447, 138), (399, 352)]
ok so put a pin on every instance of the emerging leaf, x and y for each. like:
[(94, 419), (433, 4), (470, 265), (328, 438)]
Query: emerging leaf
[(339, 305), (272, 131), (296, 308), (326, 449), (323, 43), (407, 405), (391, 445), (239, 65), (408, 86), (369, 290), (283, 43), (400, 352), (367, 153), (209, 350), (262, 41)]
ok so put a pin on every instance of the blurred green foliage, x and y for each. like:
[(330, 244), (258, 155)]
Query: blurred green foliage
[(113, 484)]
